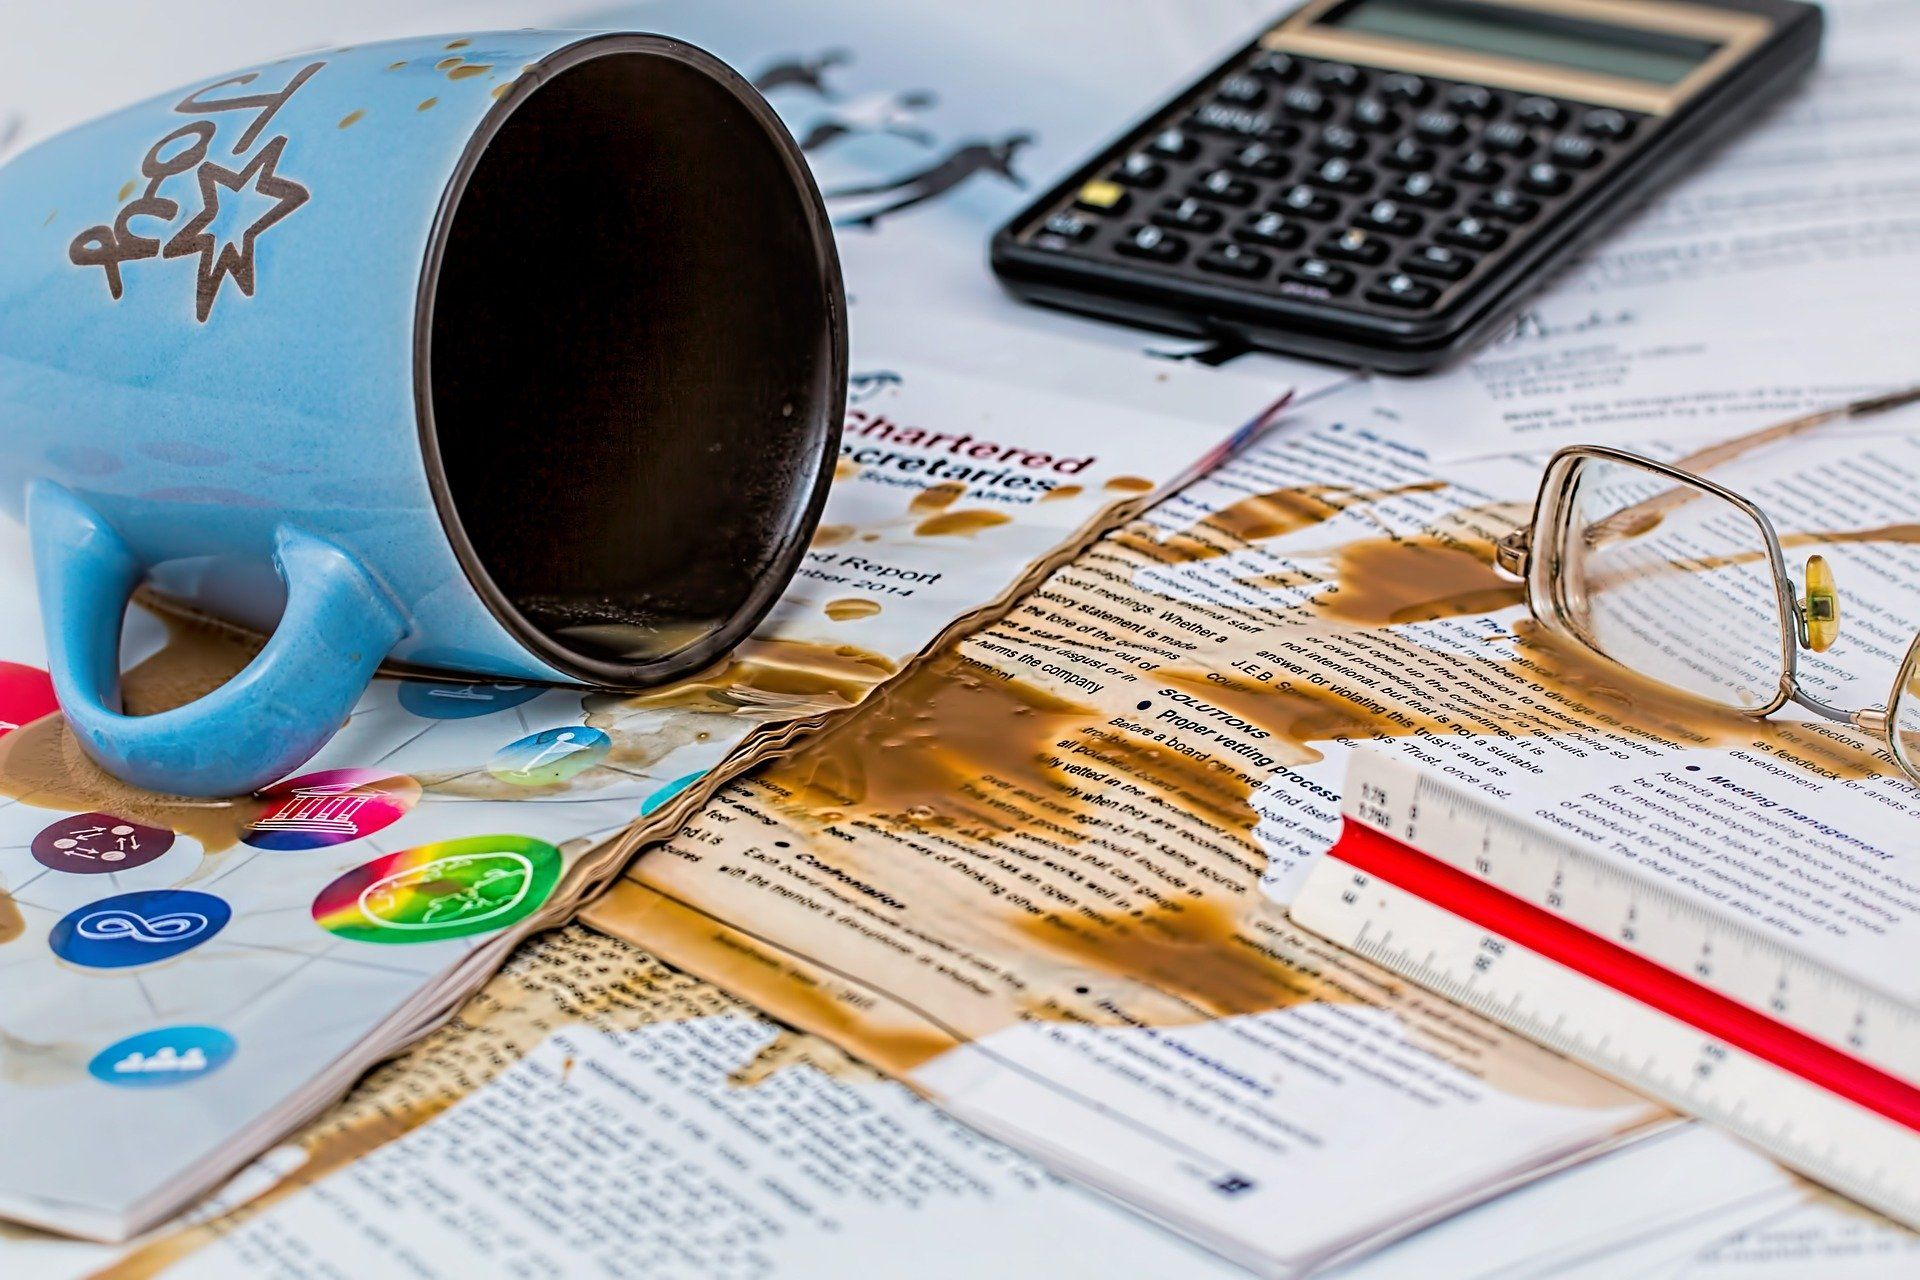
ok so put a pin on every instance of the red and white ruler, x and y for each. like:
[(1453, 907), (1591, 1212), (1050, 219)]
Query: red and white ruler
[(1574, 949)]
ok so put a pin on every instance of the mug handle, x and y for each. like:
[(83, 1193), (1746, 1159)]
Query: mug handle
[(259, 726)]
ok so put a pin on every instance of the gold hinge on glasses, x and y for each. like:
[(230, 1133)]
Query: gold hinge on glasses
[(1511, 552)]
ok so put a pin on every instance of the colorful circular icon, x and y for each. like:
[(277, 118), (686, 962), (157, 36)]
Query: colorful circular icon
[(437, 701), (138, 928), (26, 694), (163, 1056), (331, 807), (549, 756), (669, 793), (89, 844), (446, 890)]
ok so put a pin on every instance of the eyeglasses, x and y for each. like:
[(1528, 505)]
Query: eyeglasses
[(1685, 582)]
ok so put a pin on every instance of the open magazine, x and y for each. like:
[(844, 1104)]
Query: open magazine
[(185, 980), (1043, 877)]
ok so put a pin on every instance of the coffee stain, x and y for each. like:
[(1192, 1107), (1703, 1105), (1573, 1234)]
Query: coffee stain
[(1197, 953), (427, 104), (763, 676), (126, 189), (501, 90), (12, 923), (851, 608), (42, 764), (845, 469), (458, 44), (960, 524), (936, 497), (1257, 518), (467, 71), (1128, 484), (798, 1049), (33, 1065), (448, 64), (1060, 493), (832, 535), (352, 118), (395, 66), (1383, 582)]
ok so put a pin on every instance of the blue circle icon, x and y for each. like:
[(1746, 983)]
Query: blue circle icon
[(437, 700), (550, 756), (138, 928), (163, 1056), (669, 793)]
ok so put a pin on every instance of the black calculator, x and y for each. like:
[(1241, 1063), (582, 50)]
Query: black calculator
[(1382, 183)]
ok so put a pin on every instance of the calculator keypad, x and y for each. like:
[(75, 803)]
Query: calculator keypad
[(1378, 191)]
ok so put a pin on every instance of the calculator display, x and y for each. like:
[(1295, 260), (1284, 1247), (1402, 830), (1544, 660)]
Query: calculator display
[(1530, 35)]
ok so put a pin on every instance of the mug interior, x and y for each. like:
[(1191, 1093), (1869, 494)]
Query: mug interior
[(635, 360)]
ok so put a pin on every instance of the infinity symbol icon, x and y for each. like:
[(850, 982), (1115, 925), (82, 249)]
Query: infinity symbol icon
[(115, 924)]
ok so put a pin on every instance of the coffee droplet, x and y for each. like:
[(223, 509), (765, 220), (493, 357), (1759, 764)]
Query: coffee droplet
[(845, 469), (447, 64), (427, 105), (395, 66), (960, 524), (832, 535), (1062, 493), (352, 118), (458, 44), (936, 497), (468, 70), (1128, 484), (126, 189), (852, 607), (501, 90)]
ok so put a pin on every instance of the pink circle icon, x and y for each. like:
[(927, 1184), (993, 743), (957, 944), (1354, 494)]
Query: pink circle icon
[(331, 807), (26, 694)]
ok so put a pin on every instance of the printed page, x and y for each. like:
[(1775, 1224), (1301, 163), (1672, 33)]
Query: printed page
[(1043, 876), (1771, 282), (425, 1163), (157, 949)]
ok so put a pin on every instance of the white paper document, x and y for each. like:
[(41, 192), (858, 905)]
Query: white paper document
[(1774, 280)]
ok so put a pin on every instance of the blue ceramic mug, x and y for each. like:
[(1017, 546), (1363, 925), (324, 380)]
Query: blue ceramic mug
[(519, 355)]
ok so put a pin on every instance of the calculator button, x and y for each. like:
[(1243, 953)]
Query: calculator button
[(1225, 187), (1340, 76), (1506, 204), (1442, 127), (1546, 180), (1373, 115), (1507, 138), (1274, 65), (1540, 111), (1571, 151), (1187, 215), (1424, 190), (1259, 160), (1153, 244), (1342, 176), (1402, 87), (1338, 140), (1403, 291), (1472, 100), (1408, 154), (1438, 261), (1354, 245), (1472, 233), (1174, 144), (1229, 259), (1318, 275), (1274, 230), (1103, 197), (1308, 104), (1607, 124), (1234, 122), (1477, 167), (1241, 91), (1140, 170), (1064, 228), (1304, 202), (1387, 216)]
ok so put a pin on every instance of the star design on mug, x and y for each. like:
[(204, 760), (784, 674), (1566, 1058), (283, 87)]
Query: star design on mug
[(221, 257)]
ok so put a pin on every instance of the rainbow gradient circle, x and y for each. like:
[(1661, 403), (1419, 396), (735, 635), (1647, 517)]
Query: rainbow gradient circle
[(449, 889)]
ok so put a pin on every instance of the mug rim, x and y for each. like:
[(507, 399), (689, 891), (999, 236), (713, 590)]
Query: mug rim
[(715, 644)]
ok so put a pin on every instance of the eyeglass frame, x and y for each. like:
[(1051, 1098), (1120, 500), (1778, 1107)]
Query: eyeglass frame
[(1514, 554)]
